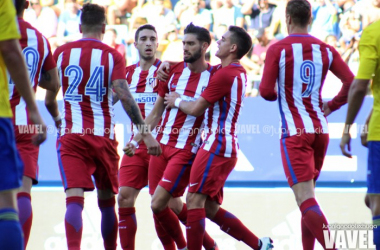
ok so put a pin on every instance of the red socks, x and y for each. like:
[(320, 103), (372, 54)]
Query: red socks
[(73, 221), (308, 238), (169, 221), (208, 242), (109, 223), (314, 219), (195, 228), (235, 228), (127, 227), (164, 237)]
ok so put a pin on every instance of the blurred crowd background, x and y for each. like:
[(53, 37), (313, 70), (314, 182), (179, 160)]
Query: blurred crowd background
[(336, 22)]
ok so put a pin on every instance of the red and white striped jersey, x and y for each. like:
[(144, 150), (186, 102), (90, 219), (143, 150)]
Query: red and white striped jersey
[(38, 58), (225, 92), (86, 70), (299, 63), (178, 129), (142, 86)]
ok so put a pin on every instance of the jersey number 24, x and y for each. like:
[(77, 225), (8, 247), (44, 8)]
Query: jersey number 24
[(94, 87)]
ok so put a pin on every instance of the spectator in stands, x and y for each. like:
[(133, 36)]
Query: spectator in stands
[(350, 25), (277, 26), (183, 5), (228, 14), (68, 23), (162, 17), (119, 11), (174, 48), (325, 19), (260, 49), (261, 13), (333, 41), (369, 10), (42, 18), (110, 38), (196, 14)]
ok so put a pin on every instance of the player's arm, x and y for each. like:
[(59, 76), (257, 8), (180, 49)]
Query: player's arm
[(220, 84), (49, 80), (154, 117), (115, 98), (49, 75), (364, 132), (270, 75), (15, 63), (343, 72), (52, 106), (195, 108), (359, 88), (128, 102)]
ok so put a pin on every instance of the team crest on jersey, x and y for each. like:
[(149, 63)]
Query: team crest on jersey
[(151, 81), (203, 89)]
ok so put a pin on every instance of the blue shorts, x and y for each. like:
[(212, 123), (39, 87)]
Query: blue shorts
[(373, 173), (12, 168)]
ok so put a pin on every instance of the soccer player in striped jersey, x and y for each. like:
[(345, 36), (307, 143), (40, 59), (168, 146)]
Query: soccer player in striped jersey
[(133, 173), (43, 71), (369, 68), (88, 71), (11, 59), (299, 64), (222, 102), (179, 136)]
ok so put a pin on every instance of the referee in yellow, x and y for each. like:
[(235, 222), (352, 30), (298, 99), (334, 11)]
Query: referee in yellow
[(369, 69), (11, 167)]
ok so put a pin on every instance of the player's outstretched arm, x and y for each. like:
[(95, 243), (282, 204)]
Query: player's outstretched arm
[(128, 102), (15, 63)]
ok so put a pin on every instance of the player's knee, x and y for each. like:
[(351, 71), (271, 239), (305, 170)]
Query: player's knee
[(176, 205), (156, 206), (125, 201), (211, 209), (374, 204), (366, 201)]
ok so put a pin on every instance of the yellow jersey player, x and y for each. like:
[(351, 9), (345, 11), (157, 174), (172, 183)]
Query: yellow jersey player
[(11, 59), (369, 68)]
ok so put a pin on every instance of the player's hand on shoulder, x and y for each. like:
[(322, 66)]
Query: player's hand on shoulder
[(326, 109), (153, 146), (129, 149), (40, 135), (163, 71), (170, 99)]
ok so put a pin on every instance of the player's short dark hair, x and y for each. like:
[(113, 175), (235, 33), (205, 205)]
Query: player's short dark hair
[(242, 39), (20, 6), (144, 27), (299, 11), (203, 35), (93, 17)]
